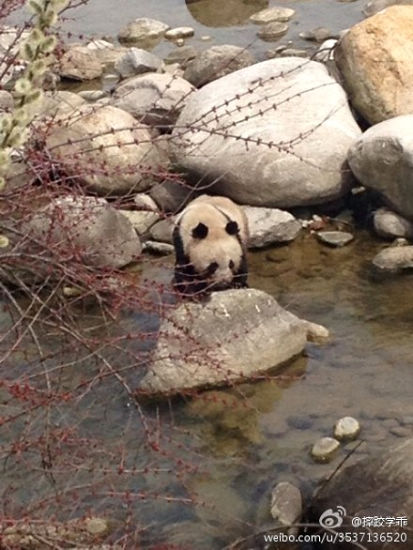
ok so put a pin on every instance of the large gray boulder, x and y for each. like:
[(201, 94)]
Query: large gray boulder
[(382, 159), (378, 486), (107, 149), (273, 134), (235, 335), (155, 99), (86, 227)]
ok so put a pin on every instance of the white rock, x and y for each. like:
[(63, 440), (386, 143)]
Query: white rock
[(347, 428), (145, 202), (394, 259), (325, 449), (270, 225), (80, 63), (233, 336), (243, 131)]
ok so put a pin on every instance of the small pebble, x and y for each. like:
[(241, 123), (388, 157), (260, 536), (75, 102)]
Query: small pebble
[(325, 449), (347, 428), (272, 31), (179, 32)]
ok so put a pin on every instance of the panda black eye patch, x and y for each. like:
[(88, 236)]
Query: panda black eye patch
[(200, 231), (232, 228)]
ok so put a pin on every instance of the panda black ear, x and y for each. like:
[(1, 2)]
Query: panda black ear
[(200, 231), (232, 228)]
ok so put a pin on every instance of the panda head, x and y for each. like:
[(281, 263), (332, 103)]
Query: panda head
[(210, 243)]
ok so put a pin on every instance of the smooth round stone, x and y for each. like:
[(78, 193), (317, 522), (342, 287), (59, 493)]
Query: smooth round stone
[(325, 449), (346, 429), (335, 238), (179, 32), (272, 31), (272, 14)]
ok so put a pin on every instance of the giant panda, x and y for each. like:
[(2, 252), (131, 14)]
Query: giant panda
[(210, 239)]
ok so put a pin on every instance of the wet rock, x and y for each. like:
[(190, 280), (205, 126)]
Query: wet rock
[(382, 159), (390, 225), (80, 63), (233, 336), (257, 171), (270, 225), (156, 247), (375, 60), (88, 226), (111, 138), (142, 29), (136, 61), (335, 238), (325, 449), (374, 6), (179, 32), (346, 429), (394, 260), (272, 31), (272, 14), (382, 484), (286, 503), (154, 99), (141, 221), (181, 55), (320, 34), (216, 62)]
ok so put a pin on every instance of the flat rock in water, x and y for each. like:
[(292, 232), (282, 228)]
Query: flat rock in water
[(270, 225), (142, 29), (232, 336), (272, 31), (325, 449), (335, 238), (181, 55), (242, 132), (347, 428), (179, 32), (272, 14), (395, 259)]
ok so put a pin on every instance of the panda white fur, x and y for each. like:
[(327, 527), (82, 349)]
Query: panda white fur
[(210, 239)]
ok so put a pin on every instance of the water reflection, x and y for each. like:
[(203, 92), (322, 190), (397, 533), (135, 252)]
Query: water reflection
[(216, 13)]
